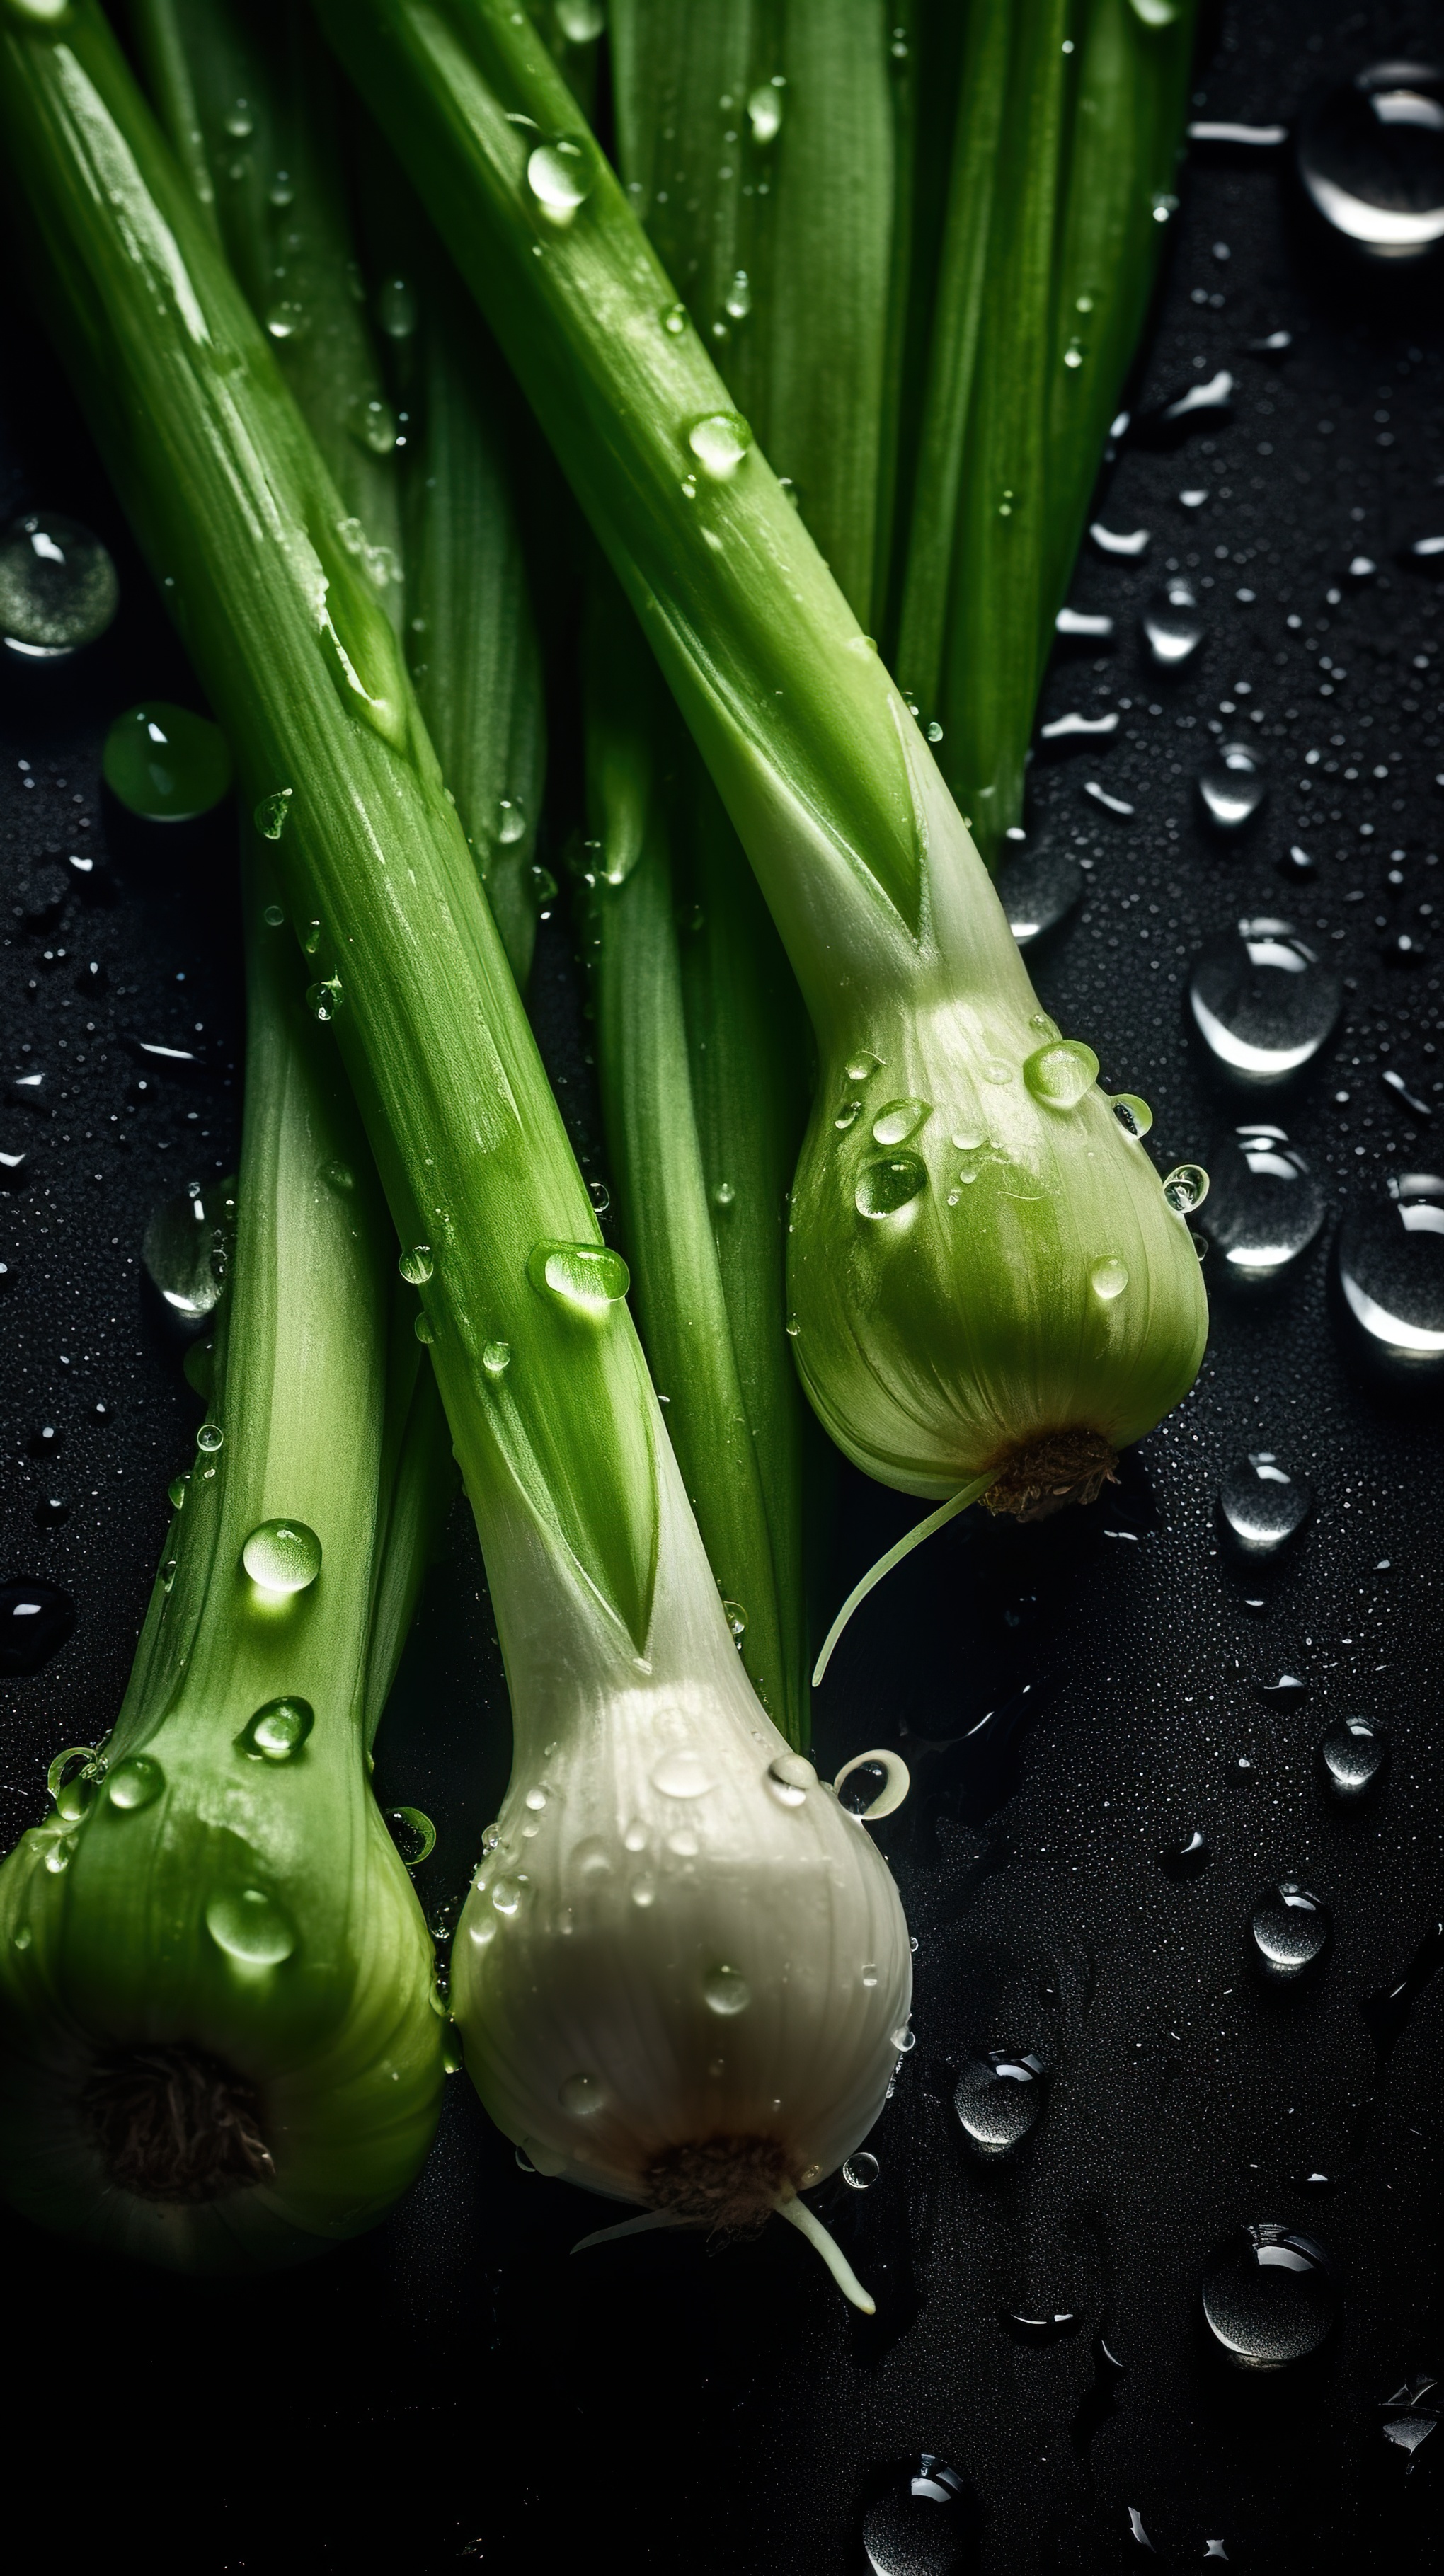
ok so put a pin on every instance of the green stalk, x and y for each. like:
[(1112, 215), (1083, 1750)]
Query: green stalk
[(218, 2047), (1062, 1314)]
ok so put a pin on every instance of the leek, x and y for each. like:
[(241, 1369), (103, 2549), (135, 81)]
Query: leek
[(220, 2037), (989, 1281), (683, 1970)]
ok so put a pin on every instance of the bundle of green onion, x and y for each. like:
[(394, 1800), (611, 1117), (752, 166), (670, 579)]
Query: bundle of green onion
[(682, 1973)]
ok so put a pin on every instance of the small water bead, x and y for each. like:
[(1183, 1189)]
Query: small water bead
[(510, 821), (509, 1895), (310, 939), (250, 1927), (997, 2099), (134, 1783), (643, 1892), (424, 1329), (559, 176), (848, 1115), (271, 817), (900, 1121), (635, 1837), (325, 1000), (277, 1731), (582, 2096), (1262, 1505), (737, 302), (282, 1556), (1172, 627), (889, 1183), (165, 764), (726, 1991), (764, 112), (416, 1265), (681, 1773), (210, 1438), (587, 1278), (789, 1778), (1062, 1073), (176, 1492), (861, 1068), (1370, 155), (1263, 1003), (735, 1615), (286, 319), (496, 1358), (1133, 1115), (1037, 892), (1269, 2296), (683, 1845), (1108, 1278), (719, 441), (722, 1194), (1186, 1188), (58, 586), (183, 1250), (1185, 1860), (1232, 786), (1265, 1207), (1354, 1757), (674, 320), (1389, 1280), (1290, 1933)]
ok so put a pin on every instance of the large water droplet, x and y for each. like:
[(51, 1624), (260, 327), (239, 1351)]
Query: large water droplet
[(270, 818), (719, 441), (1038, 892), (1061, 1073), (1262, 1505), (184, 1254), (1133, 1115), (559, 176), (496, 1358), (136, 1782), (681, 1773), (1108, 1278), (1269, 2296), (726, 1991), (58, 586), (998, 2098), (1289, 1931), (861, 2171), (282, 1556), (861, 1068), (1263, 1003), (1186, 1187), (1265, 1206), (927, 2527), (888, 1183), (1371, 157), (1172, 627), (165, 764), (35, 1620), (586, 1277), (412, 1832), (1231, 786), (1389, 1277), (416, 1265), (764, 112), (899, 1121), (582, 2096), (1354, 1757), (581, 21), (277, 1731), (250, 1928), (789, 1778)]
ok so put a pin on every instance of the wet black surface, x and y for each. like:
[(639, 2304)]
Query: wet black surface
[(1078, 1702)]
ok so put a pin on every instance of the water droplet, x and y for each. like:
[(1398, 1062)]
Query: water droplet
[(1038, 892), (1185, 1860), (726, 1991), (738, 300), (674, 320), (1061, 1073), (325, 1000), (184, 1254), (1371, 156), (1263, 1004), (1204, 405), (1290, 1932), (282, 1556), (510, 821), (643, 1892), (286, 319), (271, 817), (165, 764), (789, 1778), (1389, 1279), (1186, 1188), (277, 1731), (413, 1833), (250, 1928), (581, 21), (585, 1277), (925, 2528), (681, 1773), (719, 441), (210, 1438), (135, 1782), (58, 586), (1261, 1505), (1405, 2420), (1133, 1115), (35, 1621), (509, 1896), (899, 1121), (496, 1358), (1172, 627), (998, 2098), (722, 1194), (582, 2096), (1354, 1757), (176, 1492), (861, 2171), (848, 1115), (764, 112), (1108, 1278), (1265, 1206), (1232, 786), (559, 176), (416, 1265), (1269, 2296), (736, 1617), (861, 1068), (1109, 542), (424, 1329), (888, 1183)]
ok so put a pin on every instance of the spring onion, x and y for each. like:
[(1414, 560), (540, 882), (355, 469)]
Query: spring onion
[(990, 1284), (220, 2041), (659, 1846)]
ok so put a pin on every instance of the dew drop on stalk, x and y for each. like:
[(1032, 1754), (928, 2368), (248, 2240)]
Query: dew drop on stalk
[(58, 586), (496, 1358), (1172, 627), (848, 1115), (764, 112), (1061, 1073), (510, 821), (719, 441), (643, 1892), (900, 1121), (635, 1837), (424, 1329), (324, 1000), (1389, 1280), (587, 1279), (1133, 1115), (210, 1438), (674, 320), (508, 1896), (997, 2100), (582, 2096), (250, 1927), (737, 302), (1231, 786), (681, 1773), (1263, 1003), (1370, 155), (722, 1194), (581, 21), (861, 1068), (282, 1556), (726, 1991), (889, 1183), (1108, 1278), (416, 1265), (1290, 1931), (1265, 1206), (1262, 1505), (271, 817), (277, 1731), (286, 319), (1269, 2296), (1186, 1188), (560, 178), (1353, 1758), (134, 1783), (789, 1777)]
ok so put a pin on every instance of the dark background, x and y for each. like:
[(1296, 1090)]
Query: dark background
[(456, 2385)]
